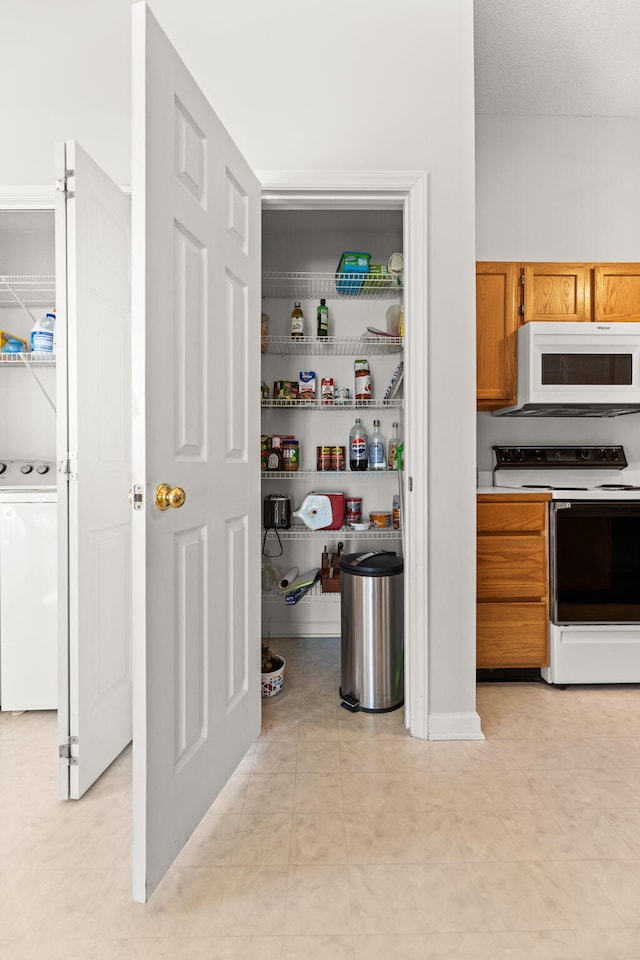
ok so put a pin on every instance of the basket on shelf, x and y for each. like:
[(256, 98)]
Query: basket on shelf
[(272, 681)]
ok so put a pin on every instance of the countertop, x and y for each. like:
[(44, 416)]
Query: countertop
[(490, 493)]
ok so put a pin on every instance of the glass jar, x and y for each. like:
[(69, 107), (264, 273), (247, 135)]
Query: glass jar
[(290, 455)]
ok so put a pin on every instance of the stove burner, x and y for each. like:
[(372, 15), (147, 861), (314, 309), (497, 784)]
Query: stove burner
[(548, 486), (617, 486)]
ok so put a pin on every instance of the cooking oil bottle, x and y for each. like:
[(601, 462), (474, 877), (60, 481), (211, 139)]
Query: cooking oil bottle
[(297, 321)]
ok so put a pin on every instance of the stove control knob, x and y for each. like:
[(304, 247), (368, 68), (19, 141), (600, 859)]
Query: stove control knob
[(603, 454), (42, 468), (26, 468), (615, 454), (3, 468), (582, 454)]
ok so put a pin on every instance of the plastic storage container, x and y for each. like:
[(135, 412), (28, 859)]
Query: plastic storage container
[(352, 262), (372, 634)]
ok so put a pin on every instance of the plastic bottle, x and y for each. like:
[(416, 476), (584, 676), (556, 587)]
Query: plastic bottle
[(297, 321), (358, 447), (323, 319), (377, 449), (393, 446), (43, 333)]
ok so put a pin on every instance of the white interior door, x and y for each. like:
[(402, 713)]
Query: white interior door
[(196, 307), (94, 449)]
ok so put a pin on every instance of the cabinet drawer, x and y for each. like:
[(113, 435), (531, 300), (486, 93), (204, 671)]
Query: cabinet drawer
[(512, 635), (512, 567), (496, 517)]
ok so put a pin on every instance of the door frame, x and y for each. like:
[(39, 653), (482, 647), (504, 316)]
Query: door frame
[(352, 189), (405, 190)]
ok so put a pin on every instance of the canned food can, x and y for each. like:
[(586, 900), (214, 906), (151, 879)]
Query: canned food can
[(380, 519), (353, 508), (338, 457), (323, 458)]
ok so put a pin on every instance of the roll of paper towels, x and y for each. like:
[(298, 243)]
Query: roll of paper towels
[(289, 577)]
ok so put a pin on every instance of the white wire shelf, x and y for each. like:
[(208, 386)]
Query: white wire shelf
[(333, 346), (315, 595), (331, 286), (298, 531), (346, 405), (328, 474), (30, 359), (35, 291)]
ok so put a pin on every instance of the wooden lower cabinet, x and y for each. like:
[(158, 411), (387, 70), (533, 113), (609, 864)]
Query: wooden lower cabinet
[(512, 635), (513, 581)]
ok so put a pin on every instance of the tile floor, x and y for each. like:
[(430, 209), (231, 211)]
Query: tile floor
[(341, 837)]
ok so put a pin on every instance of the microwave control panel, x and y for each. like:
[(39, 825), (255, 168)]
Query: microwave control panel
[(526, 458)]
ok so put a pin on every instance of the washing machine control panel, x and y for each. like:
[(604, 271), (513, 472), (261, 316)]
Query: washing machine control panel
[(27, 473)]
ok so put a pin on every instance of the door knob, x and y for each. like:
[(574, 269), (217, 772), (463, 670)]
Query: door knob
[(167, 496)]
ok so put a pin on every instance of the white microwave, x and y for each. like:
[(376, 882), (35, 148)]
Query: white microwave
[(577, 370)]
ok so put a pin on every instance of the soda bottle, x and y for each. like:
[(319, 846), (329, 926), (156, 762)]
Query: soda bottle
[(358, 447)]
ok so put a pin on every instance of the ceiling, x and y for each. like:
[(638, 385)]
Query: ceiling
[(557, 57)]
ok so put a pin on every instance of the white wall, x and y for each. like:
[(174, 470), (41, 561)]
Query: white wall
[(360, 85), (559, 189)]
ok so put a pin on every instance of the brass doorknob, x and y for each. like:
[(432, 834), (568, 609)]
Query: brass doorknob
[(167, 496)]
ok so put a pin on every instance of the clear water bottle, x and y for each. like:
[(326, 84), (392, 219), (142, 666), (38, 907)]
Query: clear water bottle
[(377, 449), (358, 447)]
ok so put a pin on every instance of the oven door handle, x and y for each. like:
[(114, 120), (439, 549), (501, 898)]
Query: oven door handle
[(561, 506)]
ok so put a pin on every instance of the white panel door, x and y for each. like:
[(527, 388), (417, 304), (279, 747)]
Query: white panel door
[(196, 307), (93, 288)]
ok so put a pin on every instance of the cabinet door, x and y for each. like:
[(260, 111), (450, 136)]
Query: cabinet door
[(616, 292), (557, 291), (496, 330)]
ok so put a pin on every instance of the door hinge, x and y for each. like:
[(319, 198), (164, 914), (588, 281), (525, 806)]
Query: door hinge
[(69, 467), (410, 484), (522, 278), (62, 186), (69, 751), (135, 497)]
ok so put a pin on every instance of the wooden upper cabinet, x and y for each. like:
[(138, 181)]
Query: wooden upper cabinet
[(496, 332), (557, 291), (616, 292)]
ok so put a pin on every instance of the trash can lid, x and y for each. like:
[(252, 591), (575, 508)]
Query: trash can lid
[(373, 563)]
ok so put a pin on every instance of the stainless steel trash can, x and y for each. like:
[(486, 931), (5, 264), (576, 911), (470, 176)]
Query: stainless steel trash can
[(372, 636)]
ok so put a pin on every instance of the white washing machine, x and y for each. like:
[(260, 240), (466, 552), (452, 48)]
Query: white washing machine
[(28, 586)]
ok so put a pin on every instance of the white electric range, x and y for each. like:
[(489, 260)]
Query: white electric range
[(594, 556), (28, 585)]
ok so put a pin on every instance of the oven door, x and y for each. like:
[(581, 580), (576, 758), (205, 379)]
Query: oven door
[(595, 562)]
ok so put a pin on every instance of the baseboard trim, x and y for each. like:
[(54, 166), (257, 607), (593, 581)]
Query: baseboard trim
[(455, 726)]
